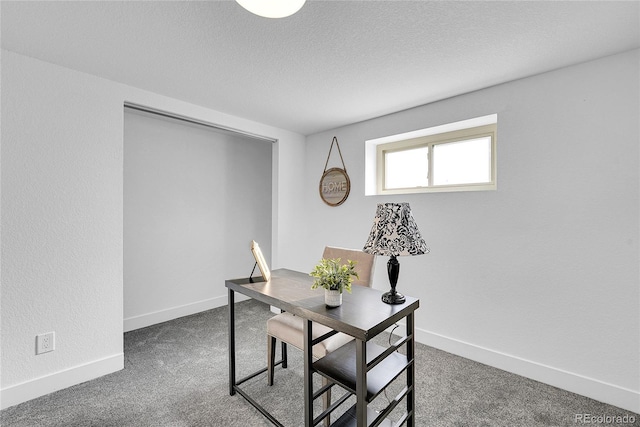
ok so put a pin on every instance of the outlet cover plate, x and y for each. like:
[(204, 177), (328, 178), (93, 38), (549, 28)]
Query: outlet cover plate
[(45, 342)]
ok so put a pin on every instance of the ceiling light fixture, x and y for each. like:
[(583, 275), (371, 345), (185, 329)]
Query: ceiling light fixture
[(272, 8)]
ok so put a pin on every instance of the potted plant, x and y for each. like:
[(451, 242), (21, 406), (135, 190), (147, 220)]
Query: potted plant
[(334, 277)]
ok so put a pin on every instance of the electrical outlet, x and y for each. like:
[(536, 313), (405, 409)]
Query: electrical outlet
[(45, 342)]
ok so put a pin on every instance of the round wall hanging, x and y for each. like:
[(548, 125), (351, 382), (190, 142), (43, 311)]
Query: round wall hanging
[(335, 183)]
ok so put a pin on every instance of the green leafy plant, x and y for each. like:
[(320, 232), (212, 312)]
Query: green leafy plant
[(333, 275)]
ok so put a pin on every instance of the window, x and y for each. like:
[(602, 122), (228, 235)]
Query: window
[(452, 160)]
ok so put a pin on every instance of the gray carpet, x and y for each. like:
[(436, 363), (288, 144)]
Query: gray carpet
[(176, 374)]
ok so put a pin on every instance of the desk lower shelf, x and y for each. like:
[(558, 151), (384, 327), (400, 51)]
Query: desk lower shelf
[(340, 367), (348, 419)]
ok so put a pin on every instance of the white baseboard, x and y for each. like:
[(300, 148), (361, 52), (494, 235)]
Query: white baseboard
[(19, 393), (575, 383), (153, 318)]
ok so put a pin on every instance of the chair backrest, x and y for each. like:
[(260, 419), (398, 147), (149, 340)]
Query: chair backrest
[(365, 263)]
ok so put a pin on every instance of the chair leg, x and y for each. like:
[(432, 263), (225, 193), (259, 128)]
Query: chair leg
[(284, 355), (271, 358), (326, 402)]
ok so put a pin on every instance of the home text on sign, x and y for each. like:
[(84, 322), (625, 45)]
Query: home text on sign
[(334, 187)]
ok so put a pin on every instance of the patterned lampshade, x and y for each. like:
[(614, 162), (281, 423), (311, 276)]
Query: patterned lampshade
[(394, 232)]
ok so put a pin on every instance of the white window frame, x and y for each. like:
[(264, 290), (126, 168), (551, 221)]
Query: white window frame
[(460, 131)]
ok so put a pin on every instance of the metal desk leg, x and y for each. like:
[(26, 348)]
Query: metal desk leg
[(308, 375), (411, 397), (232, 343), (361, 383)]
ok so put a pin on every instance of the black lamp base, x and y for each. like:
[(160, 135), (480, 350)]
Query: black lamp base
[(393, 298), (393, 269)]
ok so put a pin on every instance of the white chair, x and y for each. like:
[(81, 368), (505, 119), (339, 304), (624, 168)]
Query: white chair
[(289, 328)]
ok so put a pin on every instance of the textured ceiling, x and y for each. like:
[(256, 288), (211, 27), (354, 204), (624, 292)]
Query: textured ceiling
[(331, 64)]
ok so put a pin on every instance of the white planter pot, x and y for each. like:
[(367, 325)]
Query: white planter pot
[(332, 298)]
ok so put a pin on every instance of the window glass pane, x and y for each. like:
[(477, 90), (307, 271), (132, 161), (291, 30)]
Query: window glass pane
[(462, 162), (407, 168)]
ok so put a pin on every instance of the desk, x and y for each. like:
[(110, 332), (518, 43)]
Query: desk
[(360, 367)]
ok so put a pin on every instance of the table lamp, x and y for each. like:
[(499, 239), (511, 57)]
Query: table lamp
[(394, 233)]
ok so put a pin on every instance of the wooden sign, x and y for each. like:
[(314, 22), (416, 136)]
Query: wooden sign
[(335, 184)]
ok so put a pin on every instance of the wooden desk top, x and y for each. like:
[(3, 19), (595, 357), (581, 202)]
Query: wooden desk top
[(362, 314)]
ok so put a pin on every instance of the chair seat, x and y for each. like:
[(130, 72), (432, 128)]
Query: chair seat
[(289, 328)]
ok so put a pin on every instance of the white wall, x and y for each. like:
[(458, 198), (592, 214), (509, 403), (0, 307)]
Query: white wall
[(61, 225), (540, 277), (194, 198), (289, 220), (62, 219)]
